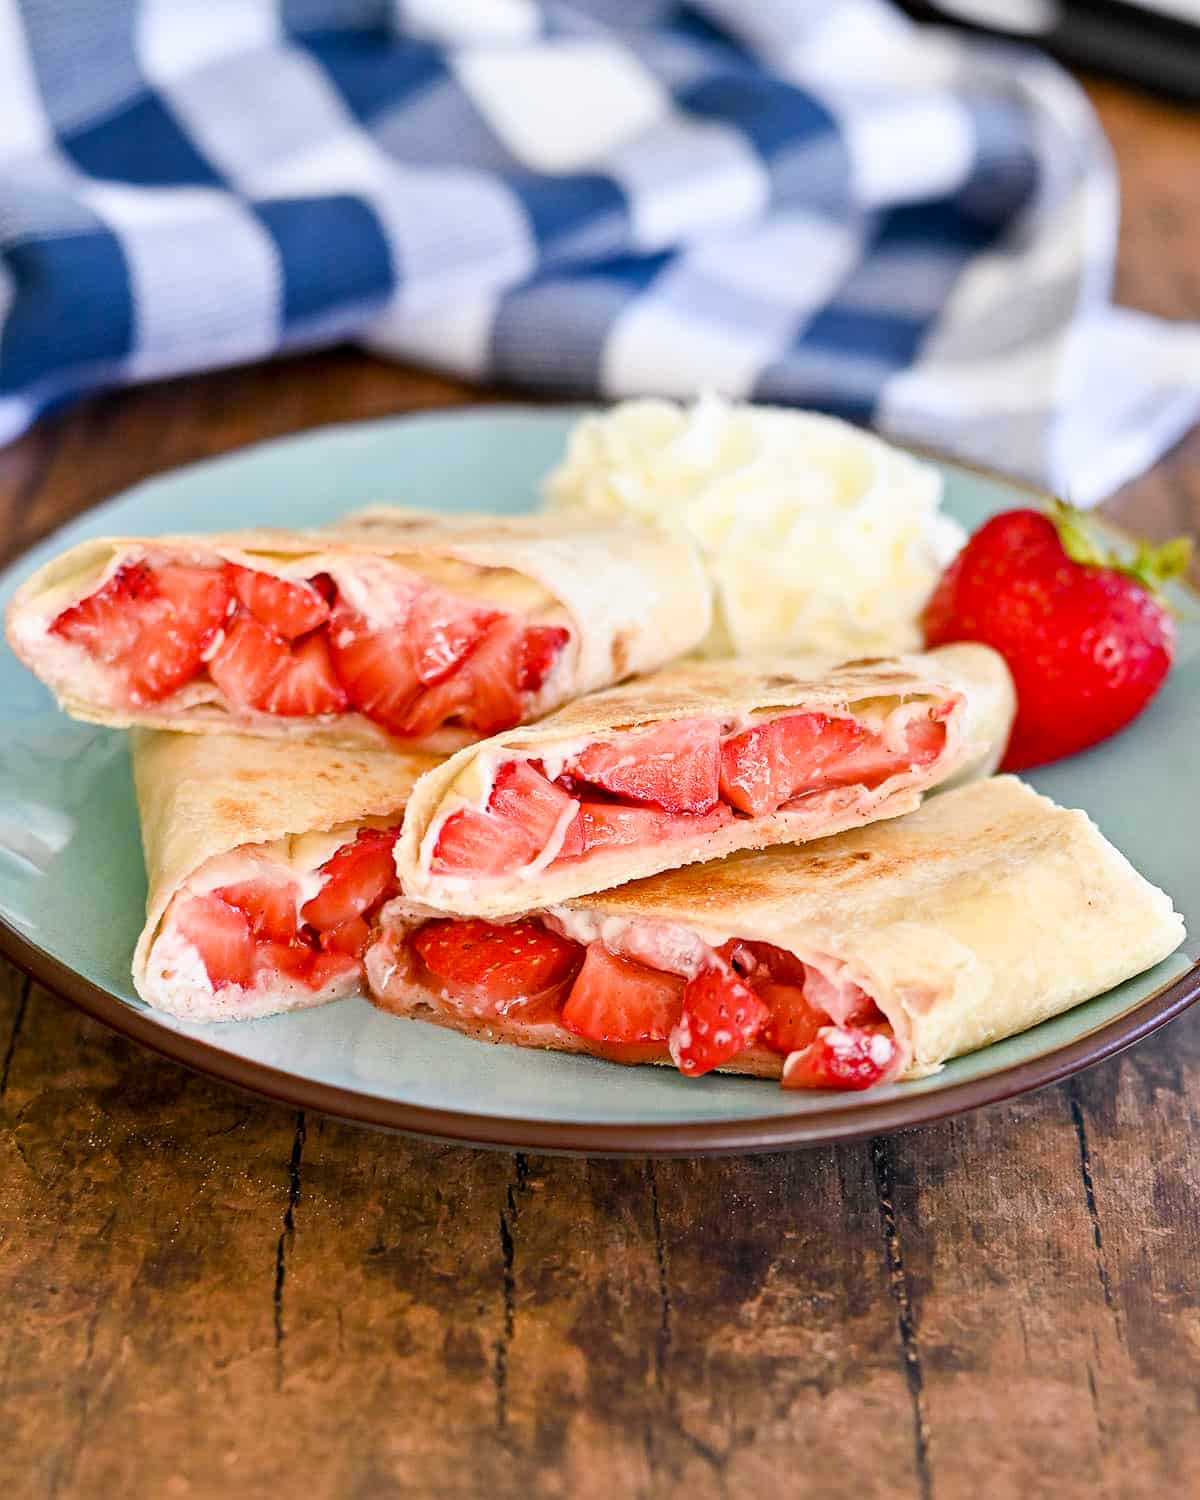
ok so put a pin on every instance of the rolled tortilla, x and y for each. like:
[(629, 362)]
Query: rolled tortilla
[(216, 809), (973, 680), (986, 911), (631, 600)]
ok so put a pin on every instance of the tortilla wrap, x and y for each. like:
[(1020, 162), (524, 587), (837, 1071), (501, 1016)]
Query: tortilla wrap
[(633, 600), (203, 797), (977, 731), (986, 911)]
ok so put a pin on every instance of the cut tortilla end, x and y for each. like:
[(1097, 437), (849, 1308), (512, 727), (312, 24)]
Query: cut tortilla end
[(650, 1000), (277, 930), (675, 782), (407, 653)]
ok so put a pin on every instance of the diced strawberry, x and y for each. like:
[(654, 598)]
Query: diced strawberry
[(306, 686), (792, 1022), (249, 662), (430, 709), (489, 697), (523, 812), (109, 622), (842, 1057), (155, 623), (324, 586), (495, 668), (255, 668), (356, 877), (486, 682), (293, 960), (221, 935), (299, 960), (475, 843), (572, 840), (872, 761), (375, 667), (525, 809), (763, 962), (199, 597), (290, 607), (170, 652), (721, 1016), (350, 937), (676, 766), (269, 906), (617, 1000), (326, 967), (540, 644), (520, 791), (391, 674), (767, 765), (495, 963), (608, 825), (841, 1001), (443, 631)]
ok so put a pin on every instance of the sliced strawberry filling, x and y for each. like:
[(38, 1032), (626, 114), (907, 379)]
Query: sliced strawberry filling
[(152, 624), (791, 756), (256, 932), (522, 966), (619, 1000), (675, 781), (255, 668), (676, 767), (740, 997), (291, 608), (299, 648)]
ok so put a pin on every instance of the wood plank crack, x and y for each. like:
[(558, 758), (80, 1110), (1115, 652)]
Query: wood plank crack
[(1089, 1193), (667, 1414), (15, 1034), (287, 1235), (662, 1342), (508, 1223), (883, 1166)]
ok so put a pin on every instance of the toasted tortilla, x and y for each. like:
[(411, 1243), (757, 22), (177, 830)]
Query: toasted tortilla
[(205, 796), (977, 731), (634, 600), (981, 914)]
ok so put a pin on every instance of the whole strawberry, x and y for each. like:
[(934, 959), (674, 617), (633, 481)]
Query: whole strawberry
[(1087, 639)]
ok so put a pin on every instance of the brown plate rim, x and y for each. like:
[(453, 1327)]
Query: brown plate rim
[(708, 1137)]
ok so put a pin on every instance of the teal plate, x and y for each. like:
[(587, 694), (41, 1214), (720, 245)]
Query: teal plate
[(72, 886)]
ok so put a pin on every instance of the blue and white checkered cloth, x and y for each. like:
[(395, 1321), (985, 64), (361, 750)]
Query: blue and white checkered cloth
[(805, 201)]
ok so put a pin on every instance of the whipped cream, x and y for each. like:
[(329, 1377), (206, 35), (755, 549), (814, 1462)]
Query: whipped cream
[(818, 536)]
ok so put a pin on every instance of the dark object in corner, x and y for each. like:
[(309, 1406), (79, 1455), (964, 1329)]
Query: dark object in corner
[(1153, 43)]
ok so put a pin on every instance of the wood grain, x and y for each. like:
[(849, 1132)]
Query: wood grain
[(209, 1295)]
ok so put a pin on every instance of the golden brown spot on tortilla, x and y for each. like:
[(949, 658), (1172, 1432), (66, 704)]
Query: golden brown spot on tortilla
[(830, 865), (232, 810), (620, 653), (248, 773), (864, 661), (779, 680)]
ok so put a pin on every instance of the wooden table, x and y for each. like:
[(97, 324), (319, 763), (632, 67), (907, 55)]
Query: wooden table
[(208, 1295)]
